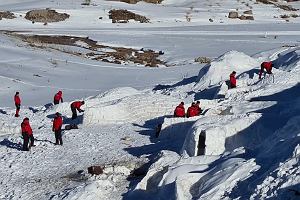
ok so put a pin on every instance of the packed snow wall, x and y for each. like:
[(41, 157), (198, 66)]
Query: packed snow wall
[(127, 105), (218, 130)]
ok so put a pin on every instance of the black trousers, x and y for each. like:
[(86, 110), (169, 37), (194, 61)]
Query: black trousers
[(17, 109), (26, 139), (58, 138), (74, 113), (18, 106), (55, 102), (232, 86)]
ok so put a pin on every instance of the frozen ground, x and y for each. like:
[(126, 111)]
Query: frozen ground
[(252, 132)]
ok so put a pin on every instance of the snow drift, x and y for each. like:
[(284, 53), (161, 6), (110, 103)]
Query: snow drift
[(219, 70)]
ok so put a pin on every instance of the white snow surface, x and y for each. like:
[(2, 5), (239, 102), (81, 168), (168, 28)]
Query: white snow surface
[(251, 132)]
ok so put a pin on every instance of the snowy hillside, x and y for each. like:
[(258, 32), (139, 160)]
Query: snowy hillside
[(132, 68), (252, 152)]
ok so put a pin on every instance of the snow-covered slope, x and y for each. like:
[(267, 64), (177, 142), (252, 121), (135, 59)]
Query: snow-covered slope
[(257, 139), (251, 132)]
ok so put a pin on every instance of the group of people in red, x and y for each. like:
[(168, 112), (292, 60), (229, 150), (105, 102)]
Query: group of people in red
[(193, 110), (264, 66), (26, 129)]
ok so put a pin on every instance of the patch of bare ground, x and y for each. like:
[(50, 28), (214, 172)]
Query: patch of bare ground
[(277, 4), (93, 50), (136, 1), (6, 15), (123, 16), (285, 16), (46, 16), (246, 16)]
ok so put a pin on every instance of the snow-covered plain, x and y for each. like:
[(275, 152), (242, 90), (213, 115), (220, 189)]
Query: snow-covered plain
[(252, 132)]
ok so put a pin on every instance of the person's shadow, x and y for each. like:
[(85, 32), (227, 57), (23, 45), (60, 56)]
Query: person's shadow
[(11, 144)]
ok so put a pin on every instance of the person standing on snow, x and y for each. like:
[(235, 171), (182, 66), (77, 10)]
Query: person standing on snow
[(179, 110), (17, 104), (58, 98), (27, 134), (76, 106), (266, 66), (232, 80), (197, 108), (56, 128), (192, 111)]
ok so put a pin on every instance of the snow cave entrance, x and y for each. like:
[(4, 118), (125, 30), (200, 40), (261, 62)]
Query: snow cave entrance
[(201, 143)]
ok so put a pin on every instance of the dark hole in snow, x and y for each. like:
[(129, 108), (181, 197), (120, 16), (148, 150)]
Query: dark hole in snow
[(201, 143)]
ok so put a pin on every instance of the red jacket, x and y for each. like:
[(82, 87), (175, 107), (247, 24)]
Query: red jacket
[(198, 109), (58, 96), (179, 111), (76, 104), (57, 123), (17, 100), (26, 128), (232, 81), (267, 66), (192, 111)]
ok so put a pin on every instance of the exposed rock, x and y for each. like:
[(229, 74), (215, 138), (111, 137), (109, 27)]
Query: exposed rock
[(284, 16), (7, 15), (248, 12), (275, 3), (203, 59), (95, 170), (123, 16), (233, 15), (46, 16), (244, 17)]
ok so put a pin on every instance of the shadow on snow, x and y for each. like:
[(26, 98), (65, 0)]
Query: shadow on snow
[(262, 133)]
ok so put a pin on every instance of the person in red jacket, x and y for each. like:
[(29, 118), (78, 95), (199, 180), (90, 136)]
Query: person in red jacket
[(192, 111), (197, 107), (27, 134), (17, 104), (76, 106), (232, 80), (179, 110), (56, 128), (266, 66), (58, 98)]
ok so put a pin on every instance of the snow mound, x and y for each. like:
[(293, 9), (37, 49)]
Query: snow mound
[(6, 128), (120, 106), (219, 70), (220, 133), (172, 177), (156, 170), (115, 94)]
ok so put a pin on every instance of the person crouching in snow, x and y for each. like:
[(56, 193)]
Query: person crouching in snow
[(56, 128), (232, 80), (27, 134), (76, 106), (179, 110), (197, 107), (266, 66), (58, 98), (192, 111), (17, 104)]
